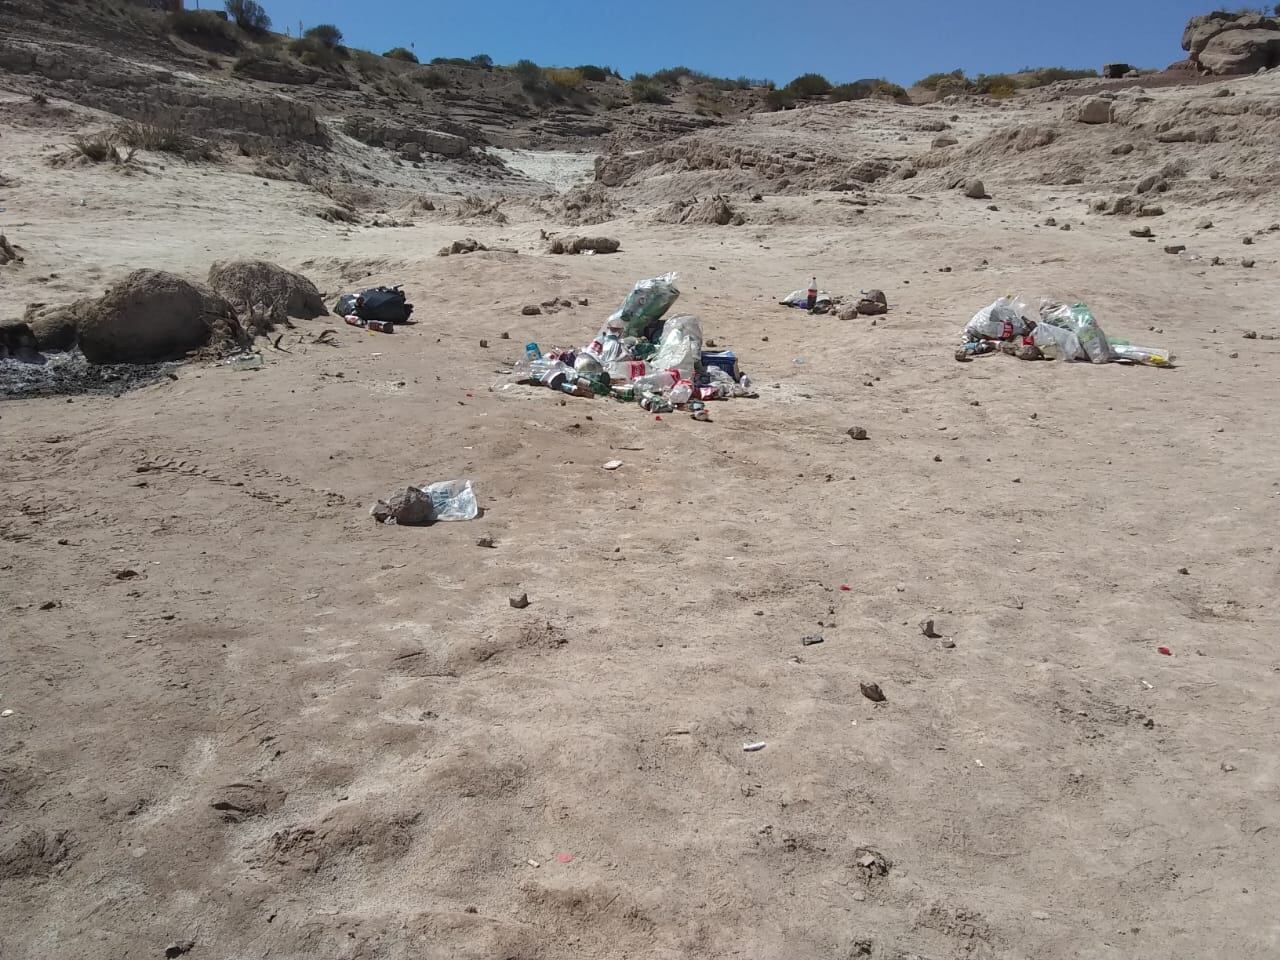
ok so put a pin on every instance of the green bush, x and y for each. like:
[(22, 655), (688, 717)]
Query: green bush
[(593, 73), (808, 86), (312, 53), (451, 62), (204, 28), (646, 91), (431, 79), (858, 90), (933, 80), (671, 75), (326, 33), (249, 15), (530, 75), (779, 100), (482, 60), (401, 53), (998, 85)]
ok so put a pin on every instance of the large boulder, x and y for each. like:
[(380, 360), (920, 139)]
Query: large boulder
[(1201, 30), (1089, 110), (252, 284), (1241, 51), (151, 316)]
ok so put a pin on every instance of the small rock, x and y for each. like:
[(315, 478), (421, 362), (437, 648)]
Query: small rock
[(993, 208), (975, 403), (1233, 356), (1065, 226), (1141, 233), (1228, 768), (1051, 222), (1184, 571), (1215, 262), (858, 433), (520, 602), (1248, 241), (946, 644), (937, 458), (125, 574), (812, 640), (487, 542), (530, 310), (505, 335), (1204, 223), (1251, 334), (48, 604), (1175, 248), (178, 948), (872, 692), (613, 465), (484, 344), (1149, 723), (975, 189), (584, 302), (1247, 264), (1039, 915)]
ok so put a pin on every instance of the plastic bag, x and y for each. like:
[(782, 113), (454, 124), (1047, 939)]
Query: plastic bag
[(646, 304), (453, 499), (1057, 343), (1150, 356), (680, 347), (800, 299), (1003, 320), (1082, 323)]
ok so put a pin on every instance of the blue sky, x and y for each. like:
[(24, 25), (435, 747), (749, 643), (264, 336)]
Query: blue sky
[(899, 39)]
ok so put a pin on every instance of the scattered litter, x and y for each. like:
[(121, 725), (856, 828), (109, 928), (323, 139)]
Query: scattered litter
[(845, 587), (445, 501), (979, 762), (246, 361), (872, 692), (520, 602), (1146, 685), (6, 713), (378, 305), (753, 747), (812, 640), (1057, 331), (564, 858), (533, 863), (1165, 651), (927, 628), (613, 465)]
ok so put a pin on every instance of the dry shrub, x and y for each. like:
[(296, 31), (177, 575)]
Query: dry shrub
[(98, 147), (564, 79)]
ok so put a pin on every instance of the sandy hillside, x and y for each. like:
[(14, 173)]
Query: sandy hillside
[(249, 722)]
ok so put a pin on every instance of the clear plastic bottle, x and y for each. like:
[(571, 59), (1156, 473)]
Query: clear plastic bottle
[(660, 380), (812, 294), (622, 371)]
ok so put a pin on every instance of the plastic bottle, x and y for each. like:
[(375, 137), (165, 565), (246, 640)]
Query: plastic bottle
[(621, 371), (659, 380), (680, 393), (813, 293)]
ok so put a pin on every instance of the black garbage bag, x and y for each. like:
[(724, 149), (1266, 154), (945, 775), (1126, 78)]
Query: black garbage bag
[(377, 303)]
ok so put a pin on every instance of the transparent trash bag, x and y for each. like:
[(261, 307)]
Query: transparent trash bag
[(453, 500), (645, 305)]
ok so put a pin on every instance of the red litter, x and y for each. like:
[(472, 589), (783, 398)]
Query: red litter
[(845, 587), (1166, 651), (657, 416), (564, 858)]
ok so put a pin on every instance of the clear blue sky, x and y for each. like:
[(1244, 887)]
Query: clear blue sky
[(844, 39)]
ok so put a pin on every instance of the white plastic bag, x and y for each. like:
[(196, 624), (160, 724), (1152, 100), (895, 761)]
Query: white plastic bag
[(680, 346), (453, 499), (646, 304), (1003, 320), (1057, 343), (1080, 321)]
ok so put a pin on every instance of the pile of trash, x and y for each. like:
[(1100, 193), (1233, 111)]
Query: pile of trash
[(637, 356), (1059, 331)]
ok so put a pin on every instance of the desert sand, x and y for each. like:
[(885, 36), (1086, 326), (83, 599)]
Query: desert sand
[(247, 721)]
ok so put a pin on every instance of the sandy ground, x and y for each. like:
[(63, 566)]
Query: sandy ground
[(254, 720)]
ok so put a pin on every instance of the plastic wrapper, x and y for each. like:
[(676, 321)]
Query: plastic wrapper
[(800, 299), (1080, 321), (646, 304), (1150, 356), (453, 500), (1003, 320), (680, 347), (1057, 343)]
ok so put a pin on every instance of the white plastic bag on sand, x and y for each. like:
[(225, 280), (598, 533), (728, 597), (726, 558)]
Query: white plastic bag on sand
[(680, 346), (1057, 343), (1003, 320), (1080, 321), (453, 499), (646, 304), (800, 298)]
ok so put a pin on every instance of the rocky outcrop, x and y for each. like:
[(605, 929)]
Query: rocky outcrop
[(276, 70), (1089, 110), (138, 91), (393, 136), (1233, 43)]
